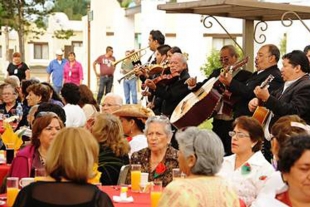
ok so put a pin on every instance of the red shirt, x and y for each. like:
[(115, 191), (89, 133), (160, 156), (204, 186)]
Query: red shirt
[(284, 198), (106, 67)]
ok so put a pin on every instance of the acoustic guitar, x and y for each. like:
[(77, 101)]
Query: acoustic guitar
[(261, 113), (202, 104)]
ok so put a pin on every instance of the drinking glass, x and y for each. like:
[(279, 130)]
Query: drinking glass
[(156, 191), (12, 190), (144, 183), (135, 177), (9, 148)]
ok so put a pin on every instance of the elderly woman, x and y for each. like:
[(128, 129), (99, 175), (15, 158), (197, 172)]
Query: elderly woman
[(9, 96), (200, 158), (33, 156), (283, 129), (294, 162), (67, 175), (113, 153), (159, 158), (133, 117), (247, 168)]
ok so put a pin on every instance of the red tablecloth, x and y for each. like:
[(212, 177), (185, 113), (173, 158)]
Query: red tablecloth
[(4, 169), (140, 199)]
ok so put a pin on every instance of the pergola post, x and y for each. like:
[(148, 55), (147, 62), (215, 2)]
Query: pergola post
[(248, 43)]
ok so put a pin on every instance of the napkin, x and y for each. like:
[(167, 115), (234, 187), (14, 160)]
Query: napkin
[(120, 200), (97, 175), (9, 137)]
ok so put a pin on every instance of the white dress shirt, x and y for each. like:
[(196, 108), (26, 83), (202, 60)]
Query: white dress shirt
[(247, 185), (267, 196)]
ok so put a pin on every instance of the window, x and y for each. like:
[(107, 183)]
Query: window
[(218, 43), (40, 51)]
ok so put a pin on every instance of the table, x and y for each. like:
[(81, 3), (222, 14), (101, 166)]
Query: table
[(4, 169), (140, 199)]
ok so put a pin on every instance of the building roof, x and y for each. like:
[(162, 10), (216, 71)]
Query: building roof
[(242, 9)]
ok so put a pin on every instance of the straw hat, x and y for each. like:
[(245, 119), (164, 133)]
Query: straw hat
[(134, 110)]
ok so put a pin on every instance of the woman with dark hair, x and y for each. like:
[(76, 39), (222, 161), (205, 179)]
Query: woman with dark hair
[(75, 116), (54, 97), (87, 102), (73, 70), (33, 156), (113, 150), (37, 93), (133, 117), (18, 68), (294, 162), (247, 168), (284, 129)]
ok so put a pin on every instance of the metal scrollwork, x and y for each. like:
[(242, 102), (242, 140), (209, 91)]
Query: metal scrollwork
[(208, 24), (290, 21), (263, 28)]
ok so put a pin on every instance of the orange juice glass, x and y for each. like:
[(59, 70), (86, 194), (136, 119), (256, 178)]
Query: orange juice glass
[(135, 177), (156, 192), (12, 190)]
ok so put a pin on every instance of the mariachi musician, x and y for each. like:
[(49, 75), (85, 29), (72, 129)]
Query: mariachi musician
[(158, 69), (266, 64), (223, 119)]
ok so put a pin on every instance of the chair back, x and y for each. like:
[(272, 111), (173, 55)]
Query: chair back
[(123, 174)]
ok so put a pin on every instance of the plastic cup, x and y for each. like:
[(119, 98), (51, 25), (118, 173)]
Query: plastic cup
[(135, 177), (144, 183), (176, 173), (156, 191), (9, 152), (12, 190)]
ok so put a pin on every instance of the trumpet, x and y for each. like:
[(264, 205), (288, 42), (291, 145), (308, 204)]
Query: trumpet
[(130, 73), (134, 57)]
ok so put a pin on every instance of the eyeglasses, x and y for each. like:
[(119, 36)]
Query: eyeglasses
[(8, 94), (109, 105), (46, 113), (238, 134)]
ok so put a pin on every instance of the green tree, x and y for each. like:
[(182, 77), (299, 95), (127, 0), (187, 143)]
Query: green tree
[(19, 14), (74, 9)]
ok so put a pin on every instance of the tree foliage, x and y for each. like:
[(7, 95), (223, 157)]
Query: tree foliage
[(74, 9), (19, 14)]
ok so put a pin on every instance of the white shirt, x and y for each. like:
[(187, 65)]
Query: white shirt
[(267, 196), (137, 143), (247, 185), (75, 116)]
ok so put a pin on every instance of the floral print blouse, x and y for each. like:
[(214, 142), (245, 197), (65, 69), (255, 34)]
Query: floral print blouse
[(163, 171)]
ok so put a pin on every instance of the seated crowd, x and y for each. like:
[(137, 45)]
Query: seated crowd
[(69, 135)]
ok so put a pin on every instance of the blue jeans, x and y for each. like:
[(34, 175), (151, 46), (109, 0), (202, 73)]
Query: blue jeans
[(57, 89), (105, 86), (130, 86)]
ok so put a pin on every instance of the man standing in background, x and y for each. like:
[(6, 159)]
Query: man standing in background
[(106, 72), (56, 68), (130, 81)]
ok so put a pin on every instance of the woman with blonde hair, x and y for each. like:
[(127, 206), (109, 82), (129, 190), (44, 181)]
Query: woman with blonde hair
[(69, 165), (113, 153)]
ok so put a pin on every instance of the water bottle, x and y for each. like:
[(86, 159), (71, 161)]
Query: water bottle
[(19, 111)]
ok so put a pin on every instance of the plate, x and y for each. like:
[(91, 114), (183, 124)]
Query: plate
[(2, 203)]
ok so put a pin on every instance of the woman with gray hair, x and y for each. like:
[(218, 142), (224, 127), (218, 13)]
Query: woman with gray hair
[(200, 158), (159, 158)]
